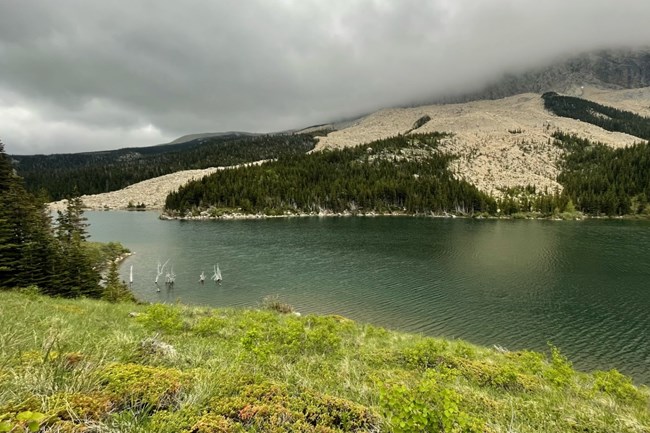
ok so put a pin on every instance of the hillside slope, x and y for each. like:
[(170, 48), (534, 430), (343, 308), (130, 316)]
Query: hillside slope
[(500, 143), (82, 365), (151, 192)]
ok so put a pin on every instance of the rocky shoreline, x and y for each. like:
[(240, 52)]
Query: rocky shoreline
[(205, 216)]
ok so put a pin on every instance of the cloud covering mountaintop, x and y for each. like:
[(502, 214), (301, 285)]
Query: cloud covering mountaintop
[(80, 76)]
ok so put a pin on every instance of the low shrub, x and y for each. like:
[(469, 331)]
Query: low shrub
[(427, 406), (620, 387), (424, 354), (210, 326), (273, 303), (141, 386), (78, 406), (271, 407), (162, 318), (560, 372)]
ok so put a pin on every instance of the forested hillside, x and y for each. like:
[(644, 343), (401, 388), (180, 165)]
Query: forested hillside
[(602, 180), (404, 174), (608, 118), (408, 174), (92, 173)]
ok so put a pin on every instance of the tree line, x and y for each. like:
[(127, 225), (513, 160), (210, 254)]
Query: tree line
[(603, 180), (61, 175), (408, 174), (404, 174), (608, 118), (54, 257)]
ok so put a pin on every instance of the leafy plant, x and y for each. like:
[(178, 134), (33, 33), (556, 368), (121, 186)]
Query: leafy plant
[(22, 421), (428, 406), (163, 318)]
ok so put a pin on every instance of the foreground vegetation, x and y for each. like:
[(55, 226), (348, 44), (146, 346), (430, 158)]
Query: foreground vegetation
[(84, 365)]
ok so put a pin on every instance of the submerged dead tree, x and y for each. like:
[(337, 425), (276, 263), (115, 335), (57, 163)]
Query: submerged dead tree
[(160, 269), (217, 274)]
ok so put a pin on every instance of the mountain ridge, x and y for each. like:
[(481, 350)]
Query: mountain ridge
[(499, 144), (609, 69), (503, 140)]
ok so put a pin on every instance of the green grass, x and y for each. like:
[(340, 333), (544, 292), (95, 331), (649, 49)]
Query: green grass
[(89, 366)]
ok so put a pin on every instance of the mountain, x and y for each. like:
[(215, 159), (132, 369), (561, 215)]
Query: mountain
[(604, 69), (500, 144), (502, 138)]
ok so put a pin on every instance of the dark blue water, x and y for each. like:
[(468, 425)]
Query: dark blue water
[(583, 286)]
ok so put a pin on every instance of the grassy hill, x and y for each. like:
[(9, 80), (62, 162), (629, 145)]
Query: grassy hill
[(82, 365)]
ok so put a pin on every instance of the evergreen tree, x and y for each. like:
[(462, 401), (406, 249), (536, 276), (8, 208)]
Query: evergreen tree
[(13, 209), (116, 290), (78, 277), (30, 254)]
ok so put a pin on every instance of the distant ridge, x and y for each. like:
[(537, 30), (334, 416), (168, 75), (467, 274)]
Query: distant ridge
[(192, 137)]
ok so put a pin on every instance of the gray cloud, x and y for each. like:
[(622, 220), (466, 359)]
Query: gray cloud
[(78, 75)]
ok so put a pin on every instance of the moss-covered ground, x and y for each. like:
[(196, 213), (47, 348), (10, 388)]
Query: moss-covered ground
[(92, 366)]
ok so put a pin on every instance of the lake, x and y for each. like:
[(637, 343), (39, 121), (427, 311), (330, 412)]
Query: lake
[(582, 285)]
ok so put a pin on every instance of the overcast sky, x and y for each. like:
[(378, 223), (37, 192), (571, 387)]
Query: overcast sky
[(78, 75)]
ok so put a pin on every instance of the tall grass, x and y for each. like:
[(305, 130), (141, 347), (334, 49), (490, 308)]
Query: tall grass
[(92, 366)]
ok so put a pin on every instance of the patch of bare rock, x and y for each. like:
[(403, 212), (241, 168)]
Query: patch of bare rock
[(500, 143), (151, 192)]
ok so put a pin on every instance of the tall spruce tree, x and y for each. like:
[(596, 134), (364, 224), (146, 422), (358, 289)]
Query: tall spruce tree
[(30, 254), (78, 277), (12, 228), (115, 289)]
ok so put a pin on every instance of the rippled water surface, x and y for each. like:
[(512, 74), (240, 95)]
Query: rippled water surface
[(584, 286)]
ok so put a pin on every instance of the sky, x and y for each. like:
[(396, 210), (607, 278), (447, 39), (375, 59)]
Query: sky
[(79, 75)]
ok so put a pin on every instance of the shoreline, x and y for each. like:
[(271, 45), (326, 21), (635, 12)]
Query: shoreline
[(347, 214)]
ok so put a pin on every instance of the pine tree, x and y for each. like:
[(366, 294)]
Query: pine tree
[(30, 254), (116, 290), (12, 229), (78, 277)]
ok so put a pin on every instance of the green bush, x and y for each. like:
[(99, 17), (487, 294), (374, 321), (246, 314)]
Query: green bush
[(429, 406), (141, 386), (210, 326), (162, 318), (27, 421), (271, 407), (560, 373), (619, 386), (425, 354)]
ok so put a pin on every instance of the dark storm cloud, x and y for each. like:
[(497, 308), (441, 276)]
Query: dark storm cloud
[(78, 75)]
